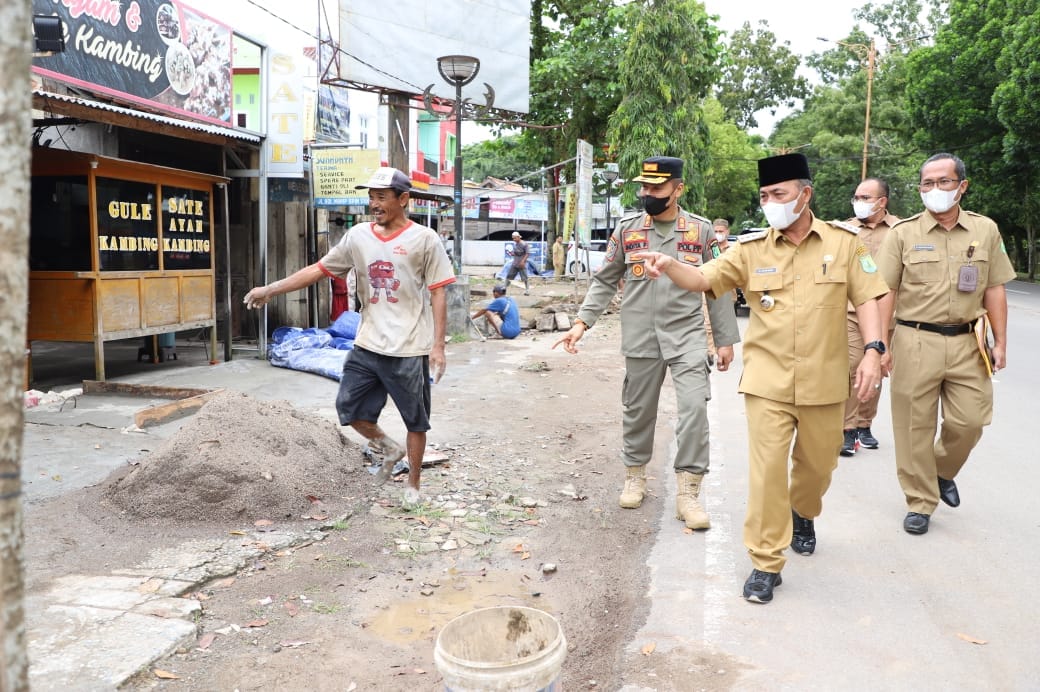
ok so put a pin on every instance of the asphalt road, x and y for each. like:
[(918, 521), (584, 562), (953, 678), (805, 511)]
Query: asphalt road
[(874, 608)]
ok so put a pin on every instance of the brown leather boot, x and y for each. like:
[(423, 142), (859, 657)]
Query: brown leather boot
[(635, 487), (687, 505)]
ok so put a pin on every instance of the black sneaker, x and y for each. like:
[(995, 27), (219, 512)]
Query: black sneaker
[(851, 443), (759, 586), (866, 438), (803, 536)]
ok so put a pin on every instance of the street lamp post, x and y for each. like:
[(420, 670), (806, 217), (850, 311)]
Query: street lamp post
[(458, 70)]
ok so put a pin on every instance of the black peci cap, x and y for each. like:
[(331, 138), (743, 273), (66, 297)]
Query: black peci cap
[(777, 169)]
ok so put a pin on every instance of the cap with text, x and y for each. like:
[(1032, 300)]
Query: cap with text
[(778, 169), (658, 169), (387, 178)]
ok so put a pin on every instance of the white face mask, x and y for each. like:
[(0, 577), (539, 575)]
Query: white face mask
[(721, 237), (780, 216), (862, 210), (937, 201)]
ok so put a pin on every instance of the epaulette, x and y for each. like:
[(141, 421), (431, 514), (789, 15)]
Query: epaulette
[(844, 226), (909, 218), (748, 237), (971, 213), (698, 217)]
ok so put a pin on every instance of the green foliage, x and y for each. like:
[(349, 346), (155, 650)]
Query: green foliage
[(757, 74), (974, 94), (731, 180), (505, 157), (669, 65)]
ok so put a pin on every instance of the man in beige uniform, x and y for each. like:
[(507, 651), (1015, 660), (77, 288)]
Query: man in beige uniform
[(947, 268), (661, 331), (798, 276), (870, 206)]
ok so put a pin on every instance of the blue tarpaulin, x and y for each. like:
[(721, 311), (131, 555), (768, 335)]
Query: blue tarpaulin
[(319, 351)]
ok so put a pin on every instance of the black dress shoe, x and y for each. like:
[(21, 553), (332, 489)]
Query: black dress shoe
[(759, 586), (803, 537), (866, 438), (916, 523), (948, 492)]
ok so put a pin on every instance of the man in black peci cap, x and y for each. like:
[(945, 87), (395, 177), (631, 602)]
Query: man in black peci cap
[(662, 330), (797, 276)]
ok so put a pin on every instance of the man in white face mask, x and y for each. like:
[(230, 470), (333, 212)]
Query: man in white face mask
[(797, 277), (947, 268), (871, 217)]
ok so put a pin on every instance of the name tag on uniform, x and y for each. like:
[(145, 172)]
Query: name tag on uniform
[(635, 240), (924, 247), (689, 246)]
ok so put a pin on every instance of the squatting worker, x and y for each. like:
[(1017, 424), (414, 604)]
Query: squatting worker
[(402, 270), (661, 330), (797, 276), (947, 268), (871, 217), (502, 313)]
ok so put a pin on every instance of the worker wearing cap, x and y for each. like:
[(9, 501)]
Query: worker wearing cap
[(401, 270), (662, 330), (797, 276), (520, 252)]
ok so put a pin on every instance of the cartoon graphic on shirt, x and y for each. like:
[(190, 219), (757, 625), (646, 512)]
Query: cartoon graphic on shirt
[(381, 276)]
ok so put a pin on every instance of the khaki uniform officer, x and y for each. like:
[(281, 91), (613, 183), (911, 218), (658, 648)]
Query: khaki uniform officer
[(797, 276), (662, 329), (946, 267), (870, 205)]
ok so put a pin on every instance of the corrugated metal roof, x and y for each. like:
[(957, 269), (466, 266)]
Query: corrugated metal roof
[(166, 120)]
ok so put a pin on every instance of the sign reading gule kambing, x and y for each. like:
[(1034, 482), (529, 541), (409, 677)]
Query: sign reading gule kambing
[(160, 52)]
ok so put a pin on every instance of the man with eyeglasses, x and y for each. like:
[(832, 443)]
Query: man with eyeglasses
[(871, 217), (946, 268)]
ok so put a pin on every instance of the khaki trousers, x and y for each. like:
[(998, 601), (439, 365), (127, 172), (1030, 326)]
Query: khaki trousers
[(772, 426), (640, 397), (928, 370), (858, 414)]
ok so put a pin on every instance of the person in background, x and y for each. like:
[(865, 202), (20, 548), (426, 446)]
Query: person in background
[(718, 245), (871, 217), (402, 270), (661, 333), (520, 253), (559, 257), (947, 269), (501, 313), (797, 275)]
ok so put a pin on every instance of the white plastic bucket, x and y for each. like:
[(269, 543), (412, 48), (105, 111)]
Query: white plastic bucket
[(501, 648)]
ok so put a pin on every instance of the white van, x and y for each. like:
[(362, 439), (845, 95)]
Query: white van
[(589, 257)]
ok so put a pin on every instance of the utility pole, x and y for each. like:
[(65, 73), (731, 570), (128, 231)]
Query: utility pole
[(15, 136)]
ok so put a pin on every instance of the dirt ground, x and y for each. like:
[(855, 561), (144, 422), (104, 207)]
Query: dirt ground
[(521, 509)]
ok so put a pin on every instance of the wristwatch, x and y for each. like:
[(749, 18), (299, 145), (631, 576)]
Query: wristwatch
[(878, 346)]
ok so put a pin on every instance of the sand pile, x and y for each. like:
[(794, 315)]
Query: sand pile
[(241, 458)]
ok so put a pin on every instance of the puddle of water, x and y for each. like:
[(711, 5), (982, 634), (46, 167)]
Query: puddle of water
[(422, 617)]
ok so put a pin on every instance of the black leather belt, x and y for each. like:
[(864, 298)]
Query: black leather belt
[(944, 329)]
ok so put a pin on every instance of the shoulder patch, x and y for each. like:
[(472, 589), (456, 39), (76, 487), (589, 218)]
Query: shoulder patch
[(748, 237), (844, 226)]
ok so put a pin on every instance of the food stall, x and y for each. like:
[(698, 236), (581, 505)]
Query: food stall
[(118, 249)]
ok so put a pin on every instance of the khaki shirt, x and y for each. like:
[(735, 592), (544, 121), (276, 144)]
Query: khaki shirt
[(659, 319), (797, 352), (872, 239), (921, 260)]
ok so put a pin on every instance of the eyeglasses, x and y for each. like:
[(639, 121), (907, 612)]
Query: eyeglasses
[(863, 198), (943, 183)]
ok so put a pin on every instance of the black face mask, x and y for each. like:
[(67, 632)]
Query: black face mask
[(655, 206)]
